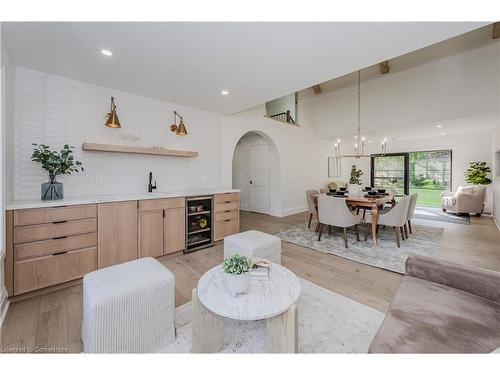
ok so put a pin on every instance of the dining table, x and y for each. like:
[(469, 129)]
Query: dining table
[(363, 202)]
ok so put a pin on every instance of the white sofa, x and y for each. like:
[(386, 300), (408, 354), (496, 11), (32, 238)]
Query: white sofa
[(468, 199), (129, 308)]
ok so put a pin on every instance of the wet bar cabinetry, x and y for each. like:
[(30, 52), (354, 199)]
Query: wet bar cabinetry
[(49, 245)]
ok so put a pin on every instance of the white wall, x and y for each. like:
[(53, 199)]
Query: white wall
[(496, 153), (303, 157), (459, 92), (55, 110), (3, 110)]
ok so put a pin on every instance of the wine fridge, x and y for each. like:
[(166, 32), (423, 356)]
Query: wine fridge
[(199, 228)]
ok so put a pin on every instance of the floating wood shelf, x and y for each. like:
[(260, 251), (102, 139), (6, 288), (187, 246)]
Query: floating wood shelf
[(137, 150)]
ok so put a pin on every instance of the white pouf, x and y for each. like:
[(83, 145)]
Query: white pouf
[(253, 243), (129, 308)]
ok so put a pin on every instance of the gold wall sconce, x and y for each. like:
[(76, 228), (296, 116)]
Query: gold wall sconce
[(112, 120), (178, 129)]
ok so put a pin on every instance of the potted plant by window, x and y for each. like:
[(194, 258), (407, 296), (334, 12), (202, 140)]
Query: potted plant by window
[(237, 273), (477, 173), (355, 181), (55, 163)]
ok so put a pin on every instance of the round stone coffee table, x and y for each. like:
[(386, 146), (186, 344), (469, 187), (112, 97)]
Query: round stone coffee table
[(274, 300)]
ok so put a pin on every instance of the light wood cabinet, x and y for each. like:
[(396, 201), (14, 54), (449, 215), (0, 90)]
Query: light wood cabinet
[(175, 230), (162, 228), (53, 269), (151, 234), (117, 233), (227, 215), (48, 246)]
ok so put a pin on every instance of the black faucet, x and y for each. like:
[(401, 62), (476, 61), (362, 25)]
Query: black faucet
[(150, 185)]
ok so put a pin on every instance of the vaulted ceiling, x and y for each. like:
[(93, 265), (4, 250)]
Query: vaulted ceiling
[(191, 63)]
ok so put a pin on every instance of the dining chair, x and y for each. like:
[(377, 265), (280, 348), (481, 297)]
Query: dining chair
[(323, 191), (396, 217), (411, 212), (311, 204), (334, 212)]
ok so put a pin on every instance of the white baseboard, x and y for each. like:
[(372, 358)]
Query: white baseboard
[(4, 305), (496, 222), (293, 211)]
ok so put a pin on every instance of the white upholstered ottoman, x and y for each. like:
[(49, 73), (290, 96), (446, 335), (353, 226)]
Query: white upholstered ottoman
[(128, 308), (253, 243)]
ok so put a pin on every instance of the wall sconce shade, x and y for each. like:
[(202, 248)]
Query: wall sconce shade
[(178, 129), (112, 120)]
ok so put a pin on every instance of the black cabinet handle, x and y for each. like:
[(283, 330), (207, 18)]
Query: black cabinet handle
[(60, 253), (227, 211), (59, 238), (227, 220), (60, 222)]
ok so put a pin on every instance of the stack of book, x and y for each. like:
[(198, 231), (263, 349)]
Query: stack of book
[(259, 273)]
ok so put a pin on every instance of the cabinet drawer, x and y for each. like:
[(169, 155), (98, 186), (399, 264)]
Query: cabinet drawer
[(49, 215), (42, 248), (52, 231), (161, 204), (226, 228), (41, 272), (221, 207), (226, 197), (226, 215)]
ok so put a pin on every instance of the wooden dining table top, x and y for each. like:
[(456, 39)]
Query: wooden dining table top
[(364, 201)]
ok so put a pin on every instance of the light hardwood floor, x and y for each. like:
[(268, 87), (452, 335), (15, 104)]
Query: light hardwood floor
[(53, 320)]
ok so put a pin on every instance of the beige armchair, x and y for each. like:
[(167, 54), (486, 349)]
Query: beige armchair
[(469, 199)]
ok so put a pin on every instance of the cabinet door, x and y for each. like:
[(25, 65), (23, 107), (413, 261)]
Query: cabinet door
[(174, 230), (151, 234), (117, 233)]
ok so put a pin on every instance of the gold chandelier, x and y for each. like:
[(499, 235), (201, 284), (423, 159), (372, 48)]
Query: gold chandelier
[(359, 146)]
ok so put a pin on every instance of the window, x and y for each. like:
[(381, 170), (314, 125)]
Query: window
[(430, 175), (427, 173)]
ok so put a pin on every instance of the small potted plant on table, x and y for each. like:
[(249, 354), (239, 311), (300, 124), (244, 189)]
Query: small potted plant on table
[(55, 163), (237, 272), (355, 181)]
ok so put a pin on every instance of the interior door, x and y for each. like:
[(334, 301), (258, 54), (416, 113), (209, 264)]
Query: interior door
[(390, 171), (260, 176)]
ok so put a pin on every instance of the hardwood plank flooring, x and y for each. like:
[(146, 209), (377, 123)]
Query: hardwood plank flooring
[(52, 321)]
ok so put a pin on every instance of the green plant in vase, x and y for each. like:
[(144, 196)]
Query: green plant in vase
[(356, 175), (55, 163), (477, 173)]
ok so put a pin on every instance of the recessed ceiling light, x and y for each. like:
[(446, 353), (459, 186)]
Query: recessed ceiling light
[(439, 126), (224, 92), (443, 133), (106, 52)]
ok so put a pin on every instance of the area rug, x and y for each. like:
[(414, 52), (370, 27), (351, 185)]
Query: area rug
[(328, 323), (436, 214), (424, 241)]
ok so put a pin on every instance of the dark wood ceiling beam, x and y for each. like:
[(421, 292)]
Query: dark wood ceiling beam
[(384, 67), (317, 89), (496, 30)]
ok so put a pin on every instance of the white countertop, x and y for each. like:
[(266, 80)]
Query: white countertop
[(71, 201)]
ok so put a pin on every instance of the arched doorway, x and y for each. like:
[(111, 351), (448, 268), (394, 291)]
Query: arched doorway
[(256, 173)]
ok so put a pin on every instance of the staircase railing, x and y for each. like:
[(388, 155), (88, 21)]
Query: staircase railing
[(284, 116)]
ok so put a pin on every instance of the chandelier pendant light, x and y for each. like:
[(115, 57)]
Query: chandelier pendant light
[(359, 146)]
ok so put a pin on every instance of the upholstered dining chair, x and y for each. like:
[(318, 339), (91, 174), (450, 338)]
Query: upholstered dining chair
[(334, 212), (323, 191), (396, 217), (311, 204), (411, 212)]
